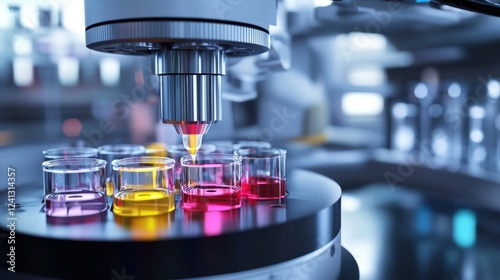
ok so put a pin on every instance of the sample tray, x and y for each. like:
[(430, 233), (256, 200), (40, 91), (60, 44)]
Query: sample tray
[(181, 244)]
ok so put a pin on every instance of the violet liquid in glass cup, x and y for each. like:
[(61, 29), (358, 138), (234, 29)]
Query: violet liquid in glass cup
[(76, 187), (211, 183), (263, 173), (67, 152)]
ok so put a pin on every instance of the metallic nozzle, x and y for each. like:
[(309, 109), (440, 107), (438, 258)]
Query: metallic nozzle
[(190, 87), (191, 128)]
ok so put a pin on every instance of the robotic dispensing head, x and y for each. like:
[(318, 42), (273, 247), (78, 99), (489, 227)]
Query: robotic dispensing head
[(187, 41)]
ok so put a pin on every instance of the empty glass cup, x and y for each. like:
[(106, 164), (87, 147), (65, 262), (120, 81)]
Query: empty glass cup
[(228, 147), (75, 186), (143, 186), (211, 183), (70, 152), (251, 144)]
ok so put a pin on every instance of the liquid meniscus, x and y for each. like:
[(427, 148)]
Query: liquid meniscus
[(211, 198), (263, 187), (75, 204), (143, 202)]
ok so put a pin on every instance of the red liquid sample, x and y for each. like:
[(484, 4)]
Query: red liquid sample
[(211, 198), (263, 188), (75, 204)]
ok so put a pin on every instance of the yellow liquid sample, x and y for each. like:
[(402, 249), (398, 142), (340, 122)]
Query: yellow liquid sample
[(109, 188), (192, 143), (143, 202)]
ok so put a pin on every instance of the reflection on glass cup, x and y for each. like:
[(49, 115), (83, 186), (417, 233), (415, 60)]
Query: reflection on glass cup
[(263, 173), (211, 183), (117, 151), (143, 186), (70, 152), (177, 152), (75, 187)]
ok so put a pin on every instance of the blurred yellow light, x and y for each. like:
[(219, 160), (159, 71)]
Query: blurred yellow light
[(156, 149)]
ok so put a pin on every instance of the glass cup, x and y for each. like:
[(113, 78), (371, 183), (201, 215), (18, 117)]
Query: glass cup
[(251, 144), (117, 151), (143, 186), (211, 183), (75, 186), (177, 152), (263, 173), (67, 152), (229, 147), (70, 152), (222, 147)]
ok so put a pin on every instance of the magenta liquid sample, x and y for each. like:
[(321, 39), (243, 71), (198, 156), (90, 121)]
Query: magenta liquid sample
[(263, 188), (75, 203), (211, 198)]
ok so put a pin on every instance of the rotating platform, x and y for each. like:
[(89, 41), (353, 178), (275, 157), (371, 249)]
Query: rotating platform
[(296, 237)]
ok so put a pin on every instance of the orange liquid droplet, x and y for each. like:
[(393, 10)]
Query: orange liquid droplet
[(192, 143)]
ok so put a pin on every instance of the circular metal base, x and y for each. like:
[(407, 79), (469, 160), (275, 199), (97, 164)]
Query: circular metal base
[(324, 263), (260, 238)]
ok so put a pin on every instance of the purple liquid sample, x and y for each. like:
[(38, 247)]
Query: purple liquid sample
[(75, 204), (211, 198)]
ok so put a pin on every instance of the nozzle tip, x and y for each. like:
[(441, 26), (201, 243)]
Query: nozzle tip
[(192, 143)]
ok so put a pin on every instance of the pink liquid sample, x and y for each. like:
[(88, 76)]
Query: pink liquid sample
[(211, 198), (75, 204), (263, 188)]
